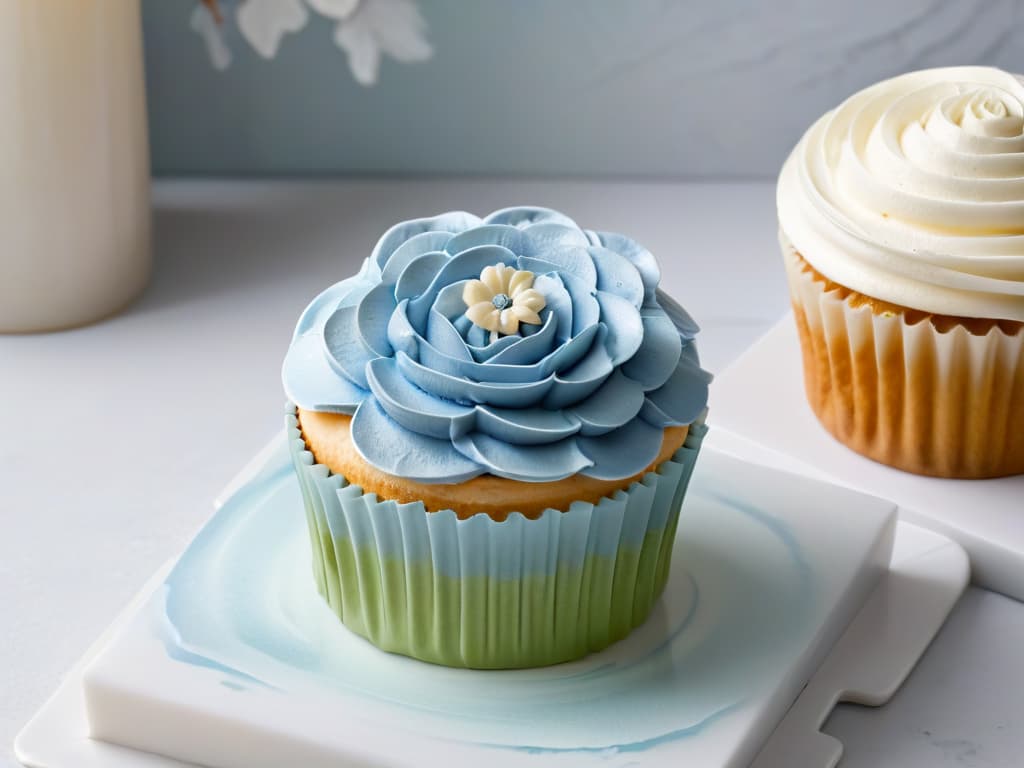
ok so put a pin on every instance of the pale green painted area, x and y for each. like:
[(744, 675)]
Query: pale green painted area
[(489, 623)]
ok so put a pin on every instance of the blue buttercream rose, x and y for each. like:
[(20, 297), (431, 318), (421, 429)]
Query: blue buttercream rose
[(584, 385)]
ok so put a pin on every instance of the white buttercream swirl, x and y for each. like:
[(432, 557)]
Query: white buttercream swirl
[(912, 191)]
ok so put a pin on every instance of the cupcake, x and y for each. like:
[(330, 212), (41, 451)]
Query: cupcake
[(493, 425), (901, 221)]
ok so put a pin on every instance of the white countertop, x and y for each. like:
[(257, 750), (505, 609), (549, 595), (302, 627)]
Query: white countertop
[(133, 425)]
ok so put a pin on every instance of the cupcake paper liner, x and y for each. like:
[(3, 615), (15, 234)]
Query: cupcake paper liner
[(484, 594), (947, 403)]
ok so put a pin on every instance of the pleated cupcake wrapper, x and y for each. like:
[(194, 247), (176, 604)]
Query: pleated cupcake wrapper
[(947, 403), (484, 594)]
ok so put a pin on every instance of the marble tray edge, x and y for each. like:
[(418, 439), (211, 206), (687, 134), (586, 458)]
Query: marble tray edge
[(57, 736)]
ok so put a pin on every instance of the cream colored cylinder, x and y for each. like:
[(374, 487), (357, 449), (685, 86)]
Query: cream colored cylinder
[(74, 162)]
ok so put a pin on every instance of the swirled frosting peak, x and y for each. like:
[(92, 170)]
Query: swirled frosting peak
[(518, 345), (912, 191)]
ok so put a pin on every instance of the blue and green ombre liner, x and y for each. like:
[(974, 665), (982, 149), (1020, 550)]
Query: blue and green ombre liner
[(490, 595)]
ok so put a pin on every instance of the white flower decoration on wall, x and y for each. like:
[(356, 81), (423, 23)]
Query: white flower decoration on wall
[(365, 30), (501, 299)]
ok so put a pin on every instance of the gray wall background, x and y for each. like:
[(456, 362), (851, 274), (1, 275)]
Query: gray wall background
[(654, 88)]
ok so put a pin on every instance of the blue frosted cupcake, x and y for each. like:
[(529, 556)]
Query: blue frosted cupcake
[(493, 425)]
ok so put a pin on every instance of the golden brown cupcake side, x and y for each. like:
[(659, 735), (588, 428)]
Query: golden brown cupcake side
[(943, 398), (328, 438)]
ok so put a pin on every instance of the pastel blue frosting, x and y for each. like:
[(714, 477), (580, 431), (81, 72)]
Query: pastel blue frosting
[(589, 390)]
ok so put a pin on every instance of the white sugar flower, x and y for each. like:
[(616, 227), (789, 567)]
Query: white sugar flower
[(503, 298)]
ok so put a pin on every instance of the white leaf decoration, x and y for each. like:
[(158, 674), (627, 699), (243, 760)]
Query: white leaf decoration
[(265, 22), (334, 9), (399, 29), (363, 55), (365, 30), (209, 30), (394, 27)]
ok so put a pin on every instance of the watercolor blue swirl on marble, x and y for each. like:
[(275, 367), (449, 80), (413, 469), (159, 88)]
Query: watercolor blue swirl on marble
[(242, 598), (633, 746)]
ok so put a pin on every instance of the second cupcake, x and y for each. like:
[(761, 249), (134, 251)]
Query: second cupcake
[(902, 227)]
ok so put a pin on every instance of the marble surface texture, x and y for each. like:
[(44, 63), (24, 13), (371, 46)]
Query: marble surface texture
[(646, 88), (132, 426)]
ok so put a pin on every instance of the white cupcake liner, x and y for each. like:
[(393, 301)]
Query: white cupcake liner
[(903, 392)]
